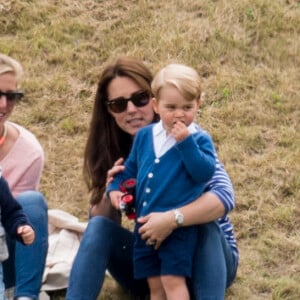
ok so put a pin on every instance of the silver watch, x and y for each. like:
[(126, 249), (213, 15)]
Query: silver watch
[(179, 217)]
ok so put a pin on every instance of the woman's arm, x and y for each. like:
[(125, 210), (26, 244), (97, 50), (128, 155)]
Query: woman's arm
[(213, 204), (157, 226), (104, 207), (205, 209)]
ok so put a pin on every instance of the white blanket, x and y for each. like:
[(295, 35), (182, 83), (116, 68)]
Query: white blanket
[(65, 232)]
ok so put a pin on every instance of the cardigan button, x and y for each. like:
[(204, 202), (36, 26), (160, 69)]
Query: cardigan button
[(148, 190), (156, 160), (150, 175)]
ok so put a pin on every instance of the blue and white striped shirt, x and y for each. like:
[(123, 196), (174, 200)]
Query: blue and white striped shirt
[(221, 185)]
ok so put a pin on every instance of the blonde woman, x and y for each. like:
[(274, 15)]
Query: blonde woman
[(22, 161)]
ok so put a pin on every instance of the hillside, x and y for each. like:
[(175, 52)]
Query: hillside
[(247, 53)]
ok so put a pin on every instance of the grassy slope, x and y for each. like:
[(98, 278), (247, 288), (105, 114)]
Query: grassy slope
[(247, 52)]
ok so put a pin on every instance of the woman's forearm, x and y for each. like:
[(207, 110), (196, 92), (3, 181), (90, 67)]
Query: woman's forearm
[(205, 209), (157, 226)]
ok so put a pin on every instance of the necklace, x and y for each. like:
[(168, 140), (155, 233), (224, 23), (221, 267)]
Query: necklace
[(3, 137)]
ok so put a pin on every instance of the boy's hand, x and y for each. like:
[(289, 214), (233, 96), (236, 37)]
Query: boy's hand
[(27, 234), (180, 131), (115, 198)]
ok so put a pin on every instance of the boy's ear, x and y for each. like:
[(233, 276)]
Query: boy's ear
[(155, 104), (200, 102), (201, 99)]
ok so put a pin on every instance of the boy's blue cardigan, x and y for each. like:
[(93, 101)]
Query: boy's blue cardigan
[(172, 180)]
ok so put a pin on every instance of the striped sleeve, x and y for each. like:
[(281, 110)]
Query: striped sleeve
[(221, 185)]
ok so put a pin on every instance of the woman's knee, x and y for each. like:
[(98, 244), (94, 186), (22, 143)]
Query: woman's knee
[(209, 233), (98, 227), (36, 209), (34, 198)]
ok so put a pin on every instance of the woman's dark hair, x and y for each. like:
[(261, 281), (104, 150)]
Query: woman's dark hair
[(106, 141)]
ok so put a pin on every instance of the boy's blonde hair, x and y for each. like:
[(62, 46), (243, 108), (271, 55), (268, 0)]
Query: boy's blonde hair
[(10, 65), (184, 78)]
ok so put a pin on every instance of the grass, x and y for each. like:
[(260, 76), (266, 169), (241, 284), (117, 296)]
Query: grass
[(247, 53)]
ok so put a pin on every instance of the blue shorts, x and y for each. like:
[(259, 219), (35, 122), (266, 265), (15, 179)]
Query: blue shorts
[(173, 257)]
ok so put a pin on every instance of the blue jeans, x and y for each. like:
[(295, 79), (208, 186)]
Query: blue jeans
[(25, 265), (2, 289), (106, 245), (215, 265)]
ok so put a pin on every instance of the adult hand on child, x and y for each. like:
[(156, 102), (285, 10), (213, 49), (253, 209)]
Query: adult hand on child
[(117, 168), (115, 198), (104, 207), (156, 227)]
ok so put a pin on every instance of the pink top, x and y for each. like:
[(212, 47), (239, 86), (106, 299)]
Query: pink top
[(22, 166)]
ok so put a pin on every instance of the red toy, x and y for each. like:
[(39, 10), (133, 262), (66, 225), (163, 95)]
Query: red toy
[(127, 200)]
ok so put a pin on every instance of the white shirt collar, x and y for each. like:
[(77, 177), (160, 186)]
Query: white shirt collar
[(162, 142)]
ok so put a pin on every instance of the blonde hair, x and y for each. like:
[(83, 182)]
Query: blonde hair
[(184, 78), (10, 65)]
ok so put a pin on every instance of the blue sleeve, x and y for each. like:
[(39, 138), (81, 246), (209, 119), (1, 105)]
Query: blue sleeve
[(197, 153), (12, 215)]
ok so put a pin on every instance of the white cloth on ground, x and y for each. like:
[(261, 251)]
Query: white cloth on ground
[(65, 232)]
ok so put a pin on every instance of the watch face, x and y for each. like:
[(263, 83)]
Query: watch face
[(179, 217)]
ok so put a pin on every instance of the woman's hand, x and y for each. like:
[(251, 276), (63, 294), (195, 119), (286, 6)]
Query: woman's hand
[(156, 227), (117, 168), (115, 198), (104, 207)]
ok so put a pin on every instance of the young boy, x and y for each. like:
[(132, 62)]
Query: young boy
[(15, 224), (172, 161)]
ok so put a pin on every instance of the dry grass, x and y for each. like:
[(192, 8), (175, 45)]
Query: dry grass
[(247, 52)]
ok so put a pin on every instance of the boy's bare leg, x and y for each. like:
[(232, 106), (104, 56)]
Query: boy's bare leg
[(175, 287), (156, 289)]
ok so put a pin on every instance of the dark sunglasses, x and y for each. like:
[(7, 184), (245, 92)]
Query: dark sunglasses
[(118, 105), (12, 96)]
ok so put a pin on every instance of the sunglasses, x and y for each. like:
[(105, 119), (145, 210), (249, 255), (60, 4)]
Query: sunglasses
[(118, 105), (12, 96)]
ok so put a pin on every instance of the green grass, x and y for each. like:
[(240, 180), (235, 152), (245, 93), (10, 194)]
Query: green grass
[(247, 53)]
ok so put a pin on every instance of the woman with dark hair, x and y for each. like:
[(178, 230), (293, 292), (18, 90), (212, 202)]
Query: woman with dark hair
[(123, 106), (115, 140)]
